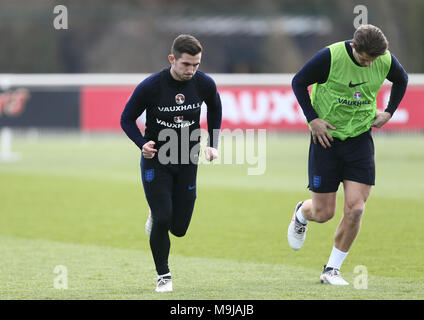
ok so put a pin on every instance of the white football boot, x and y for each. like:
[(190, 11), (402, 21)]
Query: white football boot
[(296, 234), (149, 223), (332, 276), (164, 283)]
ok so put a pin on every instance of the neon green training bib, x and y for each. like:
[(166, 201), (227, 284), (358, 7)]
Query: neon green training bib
[(348, 100)]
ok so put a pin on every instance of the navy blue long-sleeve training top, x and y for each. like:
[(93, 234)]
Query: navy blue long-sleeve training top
[(317, 70), (172, 104)]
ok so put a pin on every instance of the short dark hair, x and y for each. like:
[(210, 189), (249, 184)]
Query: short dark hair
[(185, 43), (370, 40)]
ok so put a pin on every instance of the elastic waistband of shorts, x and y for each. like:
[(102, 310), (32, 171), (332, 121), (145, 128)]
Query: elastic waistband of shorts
[(366, 133)]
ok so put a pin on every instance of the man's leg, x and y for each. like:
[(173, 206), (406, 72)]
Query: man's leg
[(181, 216), (320, 208), (184, 197), (324, 169), (157, 183), (160, 244), (358, 177), (356, 194)]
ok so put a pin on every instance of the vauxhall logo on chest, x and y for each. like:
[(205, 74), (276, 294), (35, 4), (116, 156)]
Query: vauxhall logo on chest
[(178, 123), (184, 107), (357, 95), (178, 120)]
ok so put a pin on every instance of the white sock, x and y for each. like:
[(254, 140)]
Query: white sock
[(164, 275), (336, 258), (300, 217)]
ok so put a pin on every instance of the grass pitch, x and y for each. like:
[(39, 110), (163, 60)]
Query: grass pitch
[(77, 201)]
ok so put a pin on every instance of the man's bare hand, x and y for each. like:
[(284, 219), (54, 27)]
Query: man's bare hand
[(381, 118), (320, 132), (211, 153), (148, 150)]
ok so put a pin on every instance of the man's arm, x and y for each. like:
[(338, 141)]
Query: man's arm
[(315, 70), (133, 109), (214, 118), (398, 76)]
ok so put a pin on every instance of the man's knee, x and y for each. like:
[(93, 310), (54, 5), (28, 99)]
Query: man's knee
[(178, 231), (162, 219), (354, 211), (182, 217), (322, 215), (179, 226)]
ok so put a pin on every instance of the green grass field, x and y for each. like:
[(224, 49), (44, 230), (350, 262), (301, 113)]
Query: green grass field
[(77, 201)]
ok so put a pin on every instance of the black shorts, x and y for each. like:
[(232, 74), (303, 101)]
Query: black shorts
[(350, 159), (170, 192)]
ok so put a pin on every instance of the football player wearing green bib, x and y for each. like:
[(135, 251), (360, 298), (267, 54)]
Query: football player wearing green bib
[(341, 110)]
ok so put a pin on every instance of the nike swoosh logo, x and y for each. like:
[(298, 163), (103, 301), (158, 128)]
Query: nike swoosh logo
[(351, 85), (191, 187)]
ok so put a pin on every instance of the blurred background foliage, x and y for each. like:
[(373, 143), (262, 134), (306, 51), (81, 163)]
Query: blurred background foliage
[(250, 36)]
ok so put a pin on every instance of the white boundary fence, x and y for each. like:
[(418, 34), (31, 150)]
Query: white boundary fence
[(83, 79)]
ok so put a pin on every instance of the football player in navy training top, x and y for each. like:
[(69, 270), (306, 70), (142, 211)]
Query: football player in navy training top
[(170, 146)]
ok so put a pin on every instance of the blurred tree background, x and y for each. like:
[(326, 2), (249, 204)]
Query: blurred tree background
[(249, 36)]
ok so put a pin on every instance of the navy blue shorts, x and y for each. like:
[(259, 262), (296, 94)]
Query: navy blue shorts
[(350, 159)]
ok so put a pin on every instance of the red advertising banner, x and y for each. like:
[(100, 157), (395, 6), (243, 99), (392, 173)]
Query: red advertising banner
[(101, 107), (245, 107)]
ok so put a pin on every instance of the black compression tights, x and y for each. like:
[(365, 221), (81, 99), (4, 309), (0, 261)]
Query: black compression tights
[(176, 222)]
